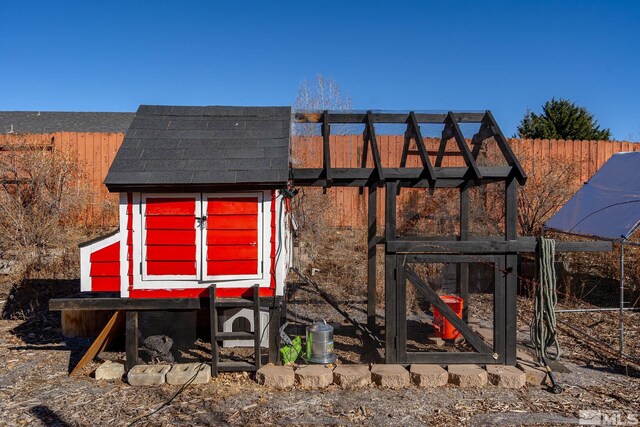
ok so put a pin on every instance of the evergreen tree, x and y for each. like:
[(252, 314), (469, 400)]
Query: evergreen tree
[(562, 119)]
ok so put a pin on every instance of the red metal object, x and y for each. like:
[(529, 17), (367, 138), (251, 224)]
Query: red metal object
[(443, 328)]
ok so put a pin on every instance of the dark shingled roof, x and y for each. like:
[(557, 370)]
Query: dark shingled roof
[(62, 121), (199, 146)]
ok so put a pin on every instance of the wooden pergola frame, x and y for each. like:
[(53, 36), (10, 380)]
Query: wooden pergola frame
[(400, 253)]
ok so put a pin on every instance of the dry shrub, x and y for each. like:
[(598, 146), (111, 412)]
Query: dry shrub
[(339, 254), (550, 184), (42, 198)]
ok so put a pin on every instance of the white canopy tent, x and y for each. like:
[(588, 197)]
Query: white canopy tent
[(606, 207)]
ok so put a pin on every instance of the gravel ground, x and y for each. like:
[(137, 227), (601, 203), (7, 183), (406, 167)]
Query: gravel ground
[(35, 390)]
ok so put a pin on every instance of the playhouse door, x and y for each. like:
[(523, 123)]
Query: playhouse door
[(170, 236), (233, 236)]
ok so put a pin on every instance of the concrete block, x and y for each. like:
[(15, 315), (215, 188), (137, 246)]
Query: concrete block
[(506, 376), (141, 375), (352, 376), (110, 371), (467, 375), (391, 376), (534, 374), (280, 377), (428, 375), (192, 373), (314, 376)]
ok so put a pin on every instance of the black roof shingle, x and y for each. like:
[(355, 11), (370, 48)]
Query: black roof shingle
[(63, 121), (203, 146)]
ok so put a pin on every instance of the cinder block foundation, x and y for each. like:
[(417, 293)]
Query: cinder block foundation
[(467, 375), (192, 373), (145, 375)]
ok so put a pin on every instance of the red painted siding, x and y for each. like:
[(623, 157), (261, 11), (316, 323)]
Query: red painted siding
[(170, 236), (104, 269), (232, 236), (198, 293)]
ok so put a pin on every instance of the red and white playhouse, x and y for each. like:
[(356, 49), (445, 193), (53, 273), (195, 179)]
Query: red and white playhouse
[(202, 201)]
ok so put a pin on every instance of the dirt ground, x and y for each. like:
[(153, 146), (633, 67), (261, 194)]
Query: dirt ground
[(36, 390)]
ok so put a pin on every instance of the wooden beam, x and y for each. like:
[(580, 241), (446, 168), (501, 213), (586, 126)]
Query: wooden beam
[(462, 145), (511, 269), (135, 304), (213, 331), (444, 138), (305, 176), (450, 358), (372, 225), (504, 146), (371, 136), (472, 338), (390, 306), (489, 247), (405, 148), (131, 340), (462, 269), (326, 147), (429, 173), (110, 332), (399, 117)]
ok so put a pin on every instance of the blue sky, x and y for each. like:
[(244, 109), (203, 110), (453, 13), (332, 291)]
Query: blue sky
[(503, 56)]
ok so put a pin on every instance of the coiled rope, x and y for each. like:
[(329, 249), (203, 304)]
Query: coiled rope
[(543, 324)]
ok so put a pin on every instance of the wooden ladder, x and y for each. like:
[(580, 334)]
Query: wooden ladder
[(215, 304)]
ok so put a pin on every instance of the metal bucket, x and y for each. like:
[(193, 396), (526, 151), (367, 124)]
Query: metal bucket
[(320, 343)]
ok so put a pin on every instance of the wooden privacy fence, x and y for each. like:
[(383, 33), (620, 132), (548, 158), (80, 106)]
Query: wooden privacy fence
[(348, 206), (95, 152)]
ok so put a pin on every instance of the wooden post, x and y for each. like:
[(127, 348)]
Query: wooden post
[(213, 325), (511, 266), (462, 269), (257, 327), (390, 302), (275, 322), (401, 312), (131, 340), (371, 257)]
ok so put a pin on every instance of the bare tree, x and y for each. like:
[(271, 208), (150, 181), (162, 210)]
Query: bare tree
[(321, 93)]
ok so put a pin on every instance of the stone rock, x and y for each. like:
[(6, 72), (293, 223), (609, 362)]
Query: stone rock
[(436, 340), (352, 376), (110, 371), (141, 375), (314, 376), (428, 375), (158, 348), (523, 355), (191, 373), (506, 376), (280, 377), (467, 375), (391, 376), (534, 374)]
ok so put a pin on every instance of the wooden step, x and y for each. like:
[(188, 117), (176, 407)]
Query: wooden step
[(236, 366), (234, 336)]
